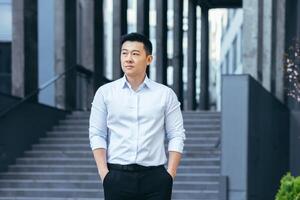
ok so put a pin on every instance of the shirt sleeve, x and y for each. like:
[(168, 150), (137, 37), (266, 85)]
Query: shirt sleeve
[(174, 123), (98, 122)]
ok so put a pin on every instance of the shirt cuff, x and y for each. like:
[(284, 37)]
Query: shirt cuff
[(176, 144), (98, 142)]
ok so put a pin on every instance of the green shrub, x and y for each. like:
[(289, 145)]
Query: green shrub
[(289, 188)]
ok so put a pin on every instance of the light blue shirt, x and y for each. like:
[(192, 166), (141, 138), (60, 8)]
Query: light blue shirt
[(132, 125)]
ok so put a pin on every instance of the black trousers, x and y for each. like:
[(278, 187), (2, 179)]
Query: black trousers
[(150, 184)]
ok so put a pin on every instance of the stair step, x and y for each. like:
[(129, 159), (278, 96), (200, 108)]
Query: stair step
[(59, 135), (92, 168), (95, 184), (94, 176), (60, 128), (191, 127), (189, 120), (86, 147), (58, 160), (184, 113), (185, 116), (85, 193), (74, 154), (212, 122), (84, 133), (61, 140)]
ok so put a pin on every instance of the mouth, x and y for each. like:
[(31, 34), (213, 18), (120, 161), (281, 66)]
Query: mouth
[(129, 66)]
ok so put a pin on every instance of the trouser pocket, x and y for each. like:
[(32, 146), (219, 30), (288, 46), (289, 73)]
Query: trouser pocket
[(168, 175), (106, 178)]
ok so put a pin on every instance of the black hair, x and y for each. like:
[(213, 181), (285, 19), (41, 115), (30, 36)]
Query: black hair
[(138, 37)]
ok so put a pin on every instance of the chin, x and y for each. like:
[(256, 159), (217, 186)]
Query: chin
[(129, 73)]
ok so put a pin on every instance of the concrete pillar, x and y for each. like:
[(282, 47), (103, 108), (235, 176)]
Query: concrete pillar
[(85, 31), (98, 44), (143, 20), (264, 28), (252, 28), (90, 44), (65, 53), (204, 75), (280, 48), (191, 89), (178, 52), (292, 29), (298, 19), (161, 41), (86, 49), (274, 47), (278, 42), (24, 48), (267, 43), (143, 17), (119, 29), (59, 52)]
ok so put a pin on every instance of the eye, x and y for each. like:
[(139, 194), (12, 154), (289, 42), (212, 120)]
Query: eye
[(135, 54), (124, 53)]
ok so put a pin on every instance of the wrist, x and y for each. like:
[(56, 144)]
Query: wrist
[(172, 172), (103, 175), (102, 171)]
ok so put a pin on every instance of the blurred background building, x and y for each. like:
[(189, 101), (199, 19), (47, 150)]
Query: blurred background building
[(46, 58)]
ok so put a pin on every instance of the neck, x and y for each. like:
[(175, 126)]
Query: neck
[(135, 82)]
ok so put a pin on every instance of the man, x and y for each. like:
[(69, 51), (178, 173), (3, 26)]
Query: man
[(130, 118)]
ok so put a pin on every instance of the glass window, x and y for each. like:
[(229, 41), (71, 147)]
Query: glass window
[(6, 20)]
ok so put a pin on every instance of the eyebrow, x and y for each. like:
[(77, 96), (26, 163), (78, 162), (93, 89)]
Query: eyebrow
[(131, 51)]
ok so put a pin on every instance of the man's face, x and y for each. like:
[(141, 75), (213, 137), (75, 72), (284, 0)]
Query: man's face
[(134, 59)]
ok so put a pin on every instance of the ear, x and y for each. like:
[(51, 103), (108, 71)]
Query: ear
[(149, 59)]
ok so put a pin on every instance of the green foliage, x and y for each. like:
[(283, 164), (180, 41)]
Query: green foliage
[(289, 188)]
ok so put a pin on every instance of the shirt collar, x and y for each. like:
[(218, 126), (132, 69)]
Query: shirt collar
[(146, 82)]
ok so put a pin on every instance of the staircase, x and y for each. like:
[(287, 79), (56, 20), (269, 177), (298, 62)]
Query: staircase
[(61, 165)]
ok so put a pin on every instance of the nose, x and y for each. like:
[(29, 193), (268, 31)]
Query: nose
[(128, 58)]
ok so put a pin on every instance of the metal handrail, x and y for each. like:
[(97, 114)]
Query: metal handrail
[(42, 87)]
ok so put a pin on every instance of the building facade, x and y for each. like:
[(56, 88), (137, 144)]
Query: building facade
[(84, 40)]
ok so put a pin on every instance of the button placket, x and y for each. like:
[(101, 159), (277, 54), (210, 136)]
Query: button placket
[(136, 122), (132, 106)]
